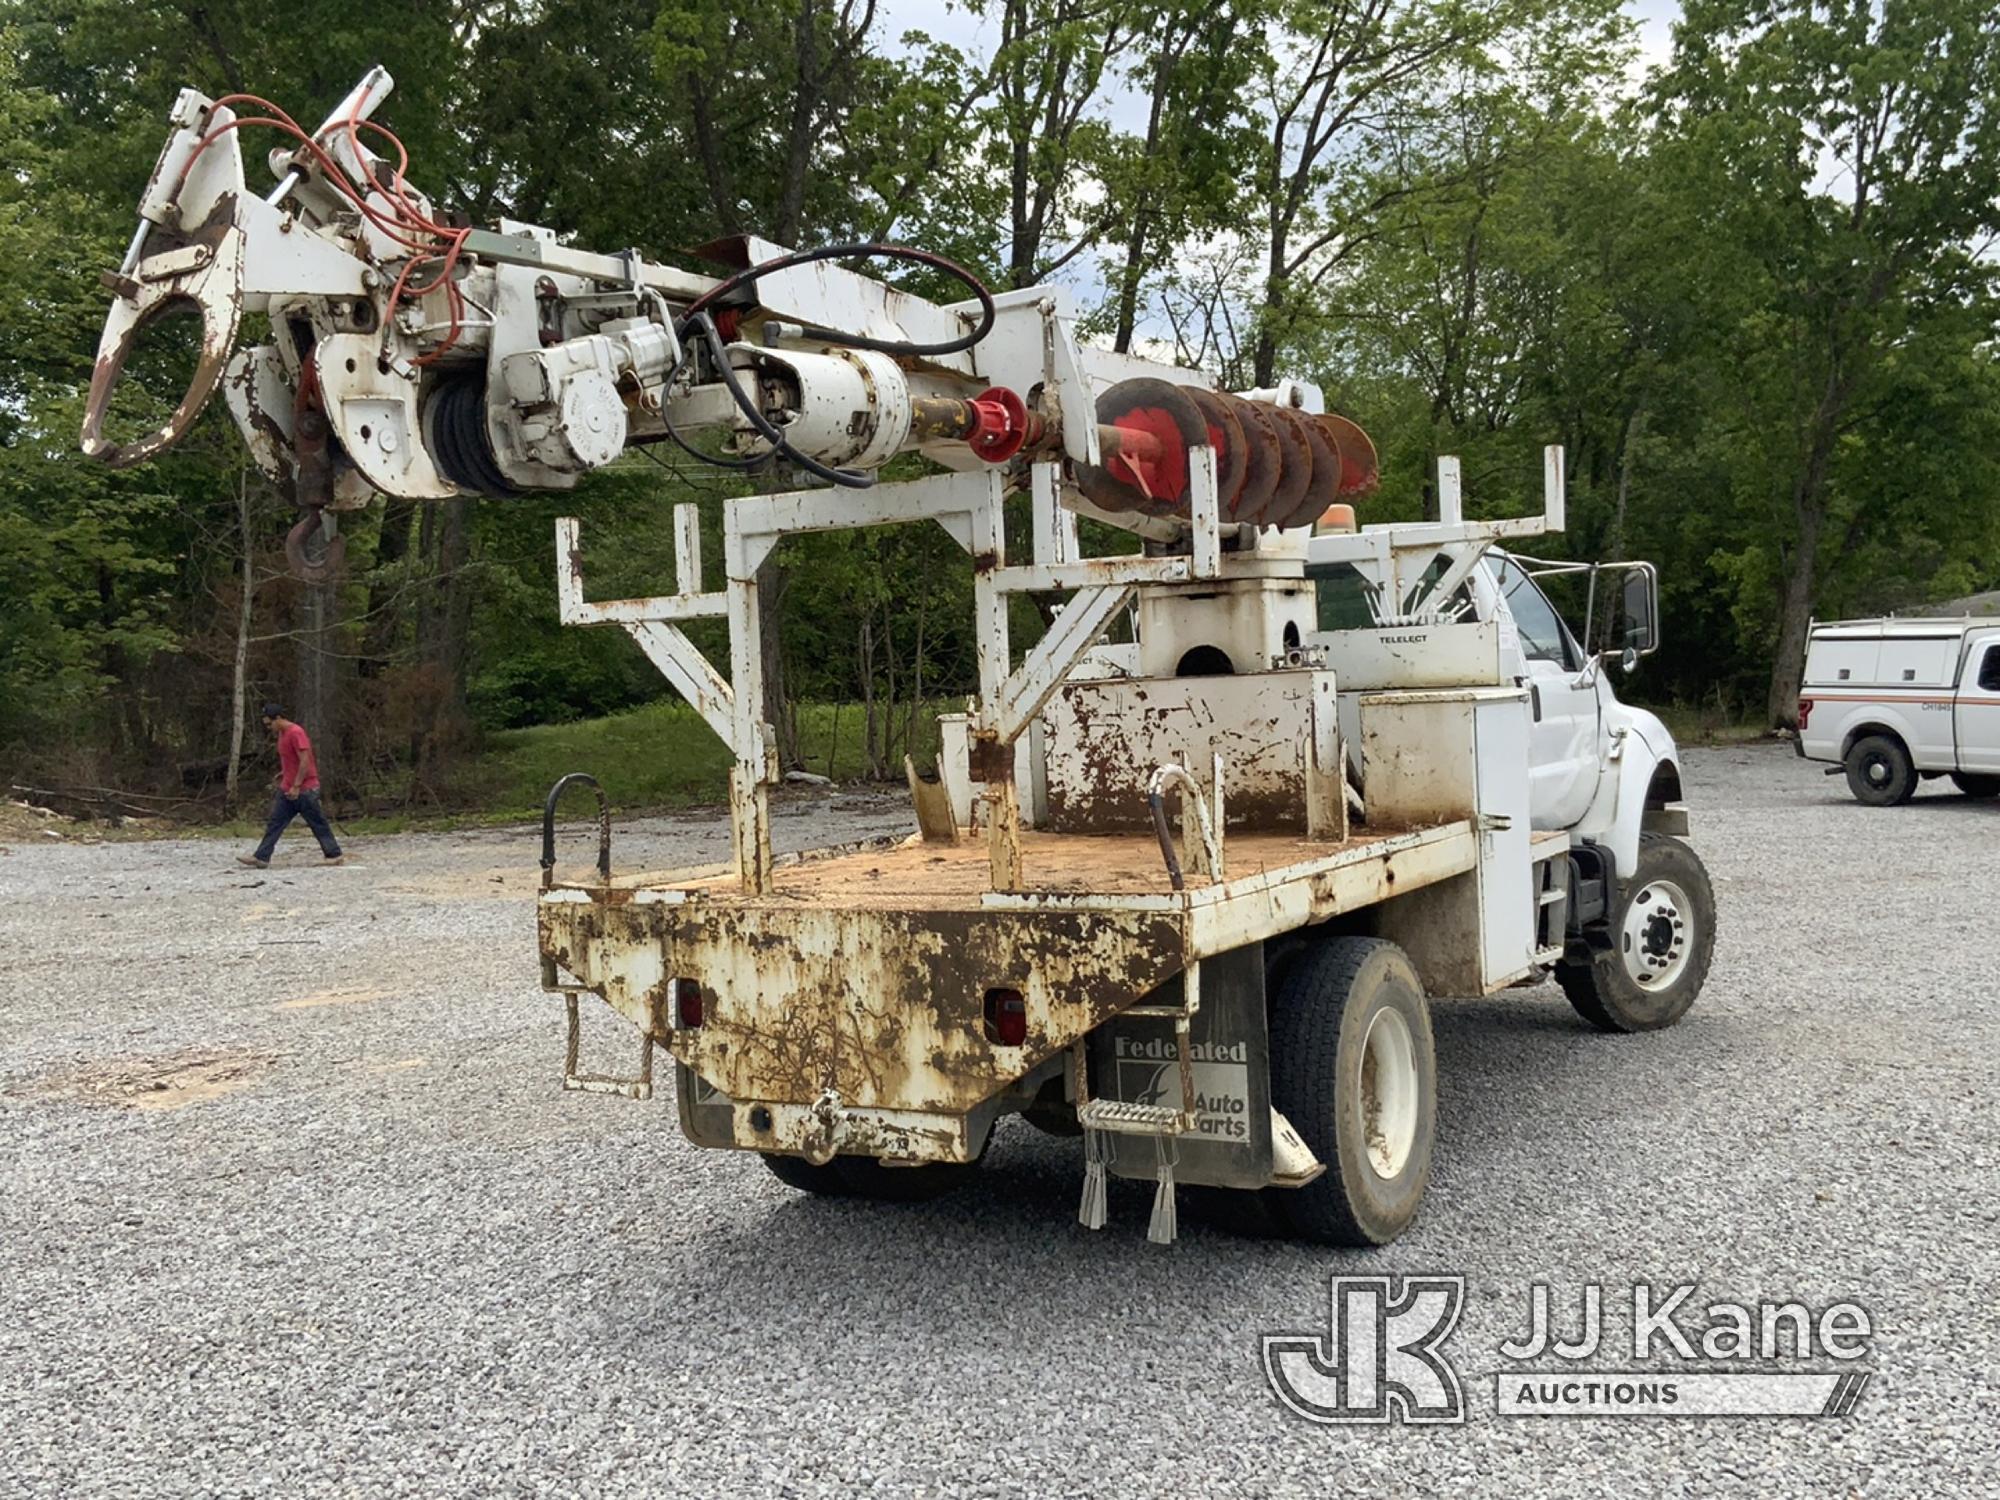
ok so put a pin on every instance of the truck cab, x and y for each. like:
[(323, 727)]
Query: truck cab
[(1598, 768), (1896, 702)]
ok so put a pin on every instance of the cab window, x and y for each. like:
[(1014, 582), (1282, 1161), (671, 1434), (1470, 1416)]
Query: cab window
[(1989, 669), (1346, 597), (1544, 637)]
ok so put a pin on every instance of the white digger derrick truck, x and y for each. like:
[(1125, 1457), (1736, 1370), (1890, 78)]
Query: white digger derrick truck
[(1183, 893)]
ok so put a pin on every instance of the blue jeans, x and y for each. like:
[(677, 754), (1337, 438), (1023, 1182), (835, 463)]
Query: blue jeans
[(305, 805)]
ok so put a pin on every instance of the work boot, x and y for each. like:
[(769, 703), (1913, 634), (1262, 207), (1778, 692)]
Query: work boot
[(334, 859), (253, 862)]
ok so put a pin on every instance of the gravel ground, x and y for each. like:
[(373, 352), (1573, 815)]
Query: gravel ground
[(357, 1242)]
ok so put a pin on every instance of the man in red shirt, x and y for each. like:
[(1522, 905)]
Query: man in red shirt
[(298, 791)]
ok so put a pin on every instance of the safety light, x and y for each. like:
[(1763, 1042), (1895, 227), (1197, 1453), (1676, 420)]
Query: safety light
[(687, 1004), (1006, 1018)]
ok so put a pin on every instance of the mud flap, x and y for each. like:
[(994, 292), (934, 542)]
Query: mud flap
[(707, 1116), (1133, 1059)]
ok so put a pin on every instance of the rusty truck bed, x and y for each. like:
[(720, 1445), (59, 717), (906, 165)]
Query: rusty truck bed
[(863, 975)]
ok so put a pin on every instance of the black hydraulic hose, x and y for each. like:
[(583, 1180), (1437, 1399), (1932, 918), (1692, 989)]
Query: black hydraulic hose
[(873, 250), (697, 319), (853, 479), (1157, 803)]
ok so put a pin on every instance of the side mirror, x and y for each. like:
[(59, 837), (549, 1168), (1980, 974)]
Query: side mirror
[(1639, 615)]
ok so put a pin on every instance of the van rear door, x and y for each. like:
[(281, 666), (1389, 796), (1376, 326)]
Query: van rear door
[(1976, 713)]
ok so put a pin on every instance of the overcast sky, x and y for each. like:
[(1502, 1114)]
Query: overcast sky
[(955, 24)]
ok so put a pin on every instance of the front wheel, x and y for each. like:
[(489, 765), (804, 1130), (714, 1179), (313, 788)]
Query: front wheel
[(1662, 939), (1974, 785), (1354, 1070)]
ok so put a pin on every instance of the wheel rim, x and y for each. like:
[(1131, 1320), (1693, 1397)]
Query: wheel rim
[(1658, 934), (1389, 1093), (1876, 770)]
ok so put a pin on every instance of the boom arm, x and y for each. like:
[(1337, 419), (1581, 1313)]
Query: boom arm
[(427, 360)]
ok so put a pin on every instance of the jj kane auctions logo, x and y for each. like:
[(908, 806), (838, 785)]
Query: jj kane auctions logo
[(1382, 1357)]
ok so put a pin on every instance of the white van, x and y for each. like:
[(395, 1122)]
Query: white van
[(1895, 701)]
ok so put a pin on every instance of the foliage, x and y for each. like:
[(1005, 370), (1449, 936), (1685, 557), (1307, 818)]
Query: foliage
[(1753, 297)]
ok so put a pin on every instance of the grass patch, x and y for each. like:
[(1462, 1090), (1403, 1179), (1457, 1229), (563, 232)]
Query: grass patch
[(659, 756), (1707, 725)]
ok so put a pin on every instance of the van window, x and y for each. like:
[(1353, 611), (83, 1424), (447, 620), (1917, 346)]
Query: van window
[(1989, 669), (1543, 634)]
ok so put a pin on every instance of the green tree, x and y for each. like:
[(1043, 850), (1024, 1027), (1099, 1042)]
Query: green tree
[(1848, 155)]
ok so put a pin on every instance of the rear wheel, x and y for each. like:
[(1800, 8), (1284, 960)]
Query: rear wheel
[(1662, 940), (797, 1172), (1879, 772), (1976, 786), (870, 1177), (1354, 1070), (867, 1177)]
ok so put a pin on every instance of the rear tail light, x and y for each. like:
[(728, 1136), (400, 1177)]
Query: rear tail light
[(1006, 1018), (687, 1004), (1805, 713)]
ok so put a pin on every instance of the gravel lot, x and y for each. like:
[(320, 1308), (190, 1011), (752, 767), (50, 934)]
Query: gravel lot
[(360, 1243)]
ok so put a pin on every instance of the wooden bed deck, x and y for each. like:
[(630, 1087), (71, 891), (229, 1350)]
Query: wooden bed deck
[(914, 875)]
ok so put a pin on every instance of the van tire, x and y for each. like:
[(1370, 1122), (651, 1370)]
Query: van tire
[(1670, 879), (1353, 1067), (1879, 772), (1974, 785)]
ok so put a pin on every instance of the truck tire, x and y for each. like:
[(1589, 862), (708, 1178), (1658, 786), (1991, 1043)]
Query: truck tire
[(865, 1177), (1663, 938), (1974, 785), (1879, 772), (1354, 1069), (1052, 1114), (869, 1177), (797, 1172)]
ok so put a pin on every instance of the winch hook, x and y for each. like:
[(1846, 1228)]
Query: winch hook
[(304, 568), (312, 482)]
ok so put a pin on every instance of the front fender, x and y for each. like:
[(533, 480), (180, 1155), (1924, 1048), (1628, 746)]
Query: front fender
[(1642, 753)]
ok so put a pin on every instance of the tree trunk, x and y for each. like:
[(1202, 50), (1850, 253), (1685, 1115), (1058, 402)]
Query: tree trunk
[(1809, 502), (239, 672), (454, 553), (392, 545), (864, 659), (1781, 709), (1264, 366), (790, 221), (773, 580), (1614, 546)]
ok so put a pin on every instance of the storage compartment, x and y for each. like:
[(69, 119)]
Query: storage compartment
[(1458, 753)]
